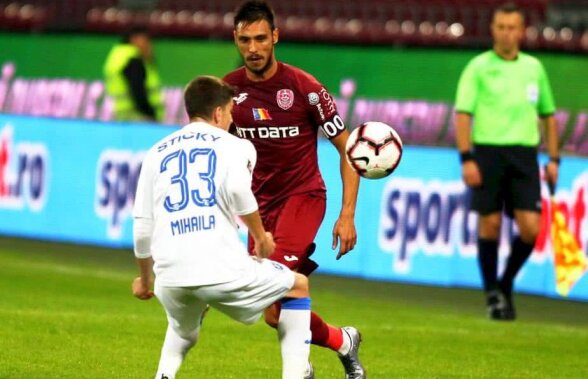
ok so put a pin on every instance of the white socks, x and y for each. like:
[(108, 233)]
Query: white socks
[(173, 352), (295, 336), (293, 332), (346, 345)]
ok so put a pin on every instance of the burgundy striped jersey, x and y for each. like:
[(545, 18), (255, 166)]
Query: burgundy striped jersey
[(281, 117)]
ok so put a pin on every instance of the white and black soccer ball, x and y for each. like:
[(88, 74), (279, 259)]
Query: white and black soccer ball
[(374, 149)]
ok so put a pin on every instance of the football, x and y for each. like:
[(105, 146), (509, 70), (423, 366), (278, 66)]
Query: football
[(374, 149)]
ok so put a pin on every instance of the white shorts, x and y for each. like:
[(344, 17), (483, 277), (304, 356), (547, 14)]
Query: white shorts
[(243, 299)]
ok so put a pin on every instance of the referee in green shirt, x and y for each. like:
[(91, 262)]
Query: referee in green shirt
[(500, 97)]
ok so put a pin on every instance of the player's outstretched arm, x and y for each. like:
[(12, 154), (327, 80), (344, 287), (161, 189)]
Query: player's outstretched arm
[(344, 233)]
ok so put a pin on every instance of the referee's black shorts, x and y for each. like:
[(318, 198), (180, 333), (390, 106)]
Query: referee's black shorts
[(510, 179)]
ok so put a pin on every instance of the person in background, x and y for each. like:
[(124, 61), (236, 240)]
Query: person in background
[(500, 96), (132, 80)]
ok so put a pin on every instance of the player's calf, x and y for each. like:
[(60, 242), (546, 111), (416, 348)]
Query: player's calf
[(173, 352), (271, 315)]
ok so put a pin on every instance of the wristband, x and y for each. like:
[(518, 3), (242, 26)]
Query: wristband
[(466, 156), (554, 160)]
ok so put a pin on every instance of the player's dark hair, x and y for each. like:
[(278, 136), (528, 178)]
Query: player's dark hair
[(253, 11), (509, 8), (204, 93), (133, 31)]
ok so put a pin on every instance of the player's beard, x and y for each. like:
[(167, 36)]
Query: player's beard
[(262, 70)]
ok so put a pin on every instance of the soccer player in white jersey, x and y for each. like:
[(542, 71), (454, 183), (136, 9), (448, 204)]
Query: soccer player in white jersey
[(191, 186)]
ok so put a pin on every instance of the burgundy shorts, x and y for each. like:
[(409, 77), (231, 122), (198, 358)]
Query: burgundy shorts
[(294, 224)]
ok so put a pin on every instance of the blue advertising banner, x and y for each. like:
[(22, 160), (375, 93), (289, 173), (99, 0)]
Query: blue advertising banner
[(415, 225), (73, 180)]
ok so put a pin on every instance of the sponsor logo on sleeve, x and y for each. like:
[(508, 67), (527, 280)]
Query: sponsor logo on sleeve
[(285, 98), (327, 101), (324, 103)]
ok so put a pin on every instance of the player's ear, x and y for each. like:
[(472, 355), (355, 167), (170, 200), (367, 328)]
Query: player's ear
[(276, 35), (235, 35), (217, 115)]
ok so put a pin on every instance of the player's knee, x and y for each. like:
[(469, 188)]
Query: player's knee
[(301, 286), (190, 336), (529, 228), (489, 227), (250, 321)]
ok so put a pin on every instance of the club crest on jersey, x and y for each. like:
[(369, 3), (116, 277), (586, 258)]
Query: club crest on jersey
[(261, 114), (285, 98)]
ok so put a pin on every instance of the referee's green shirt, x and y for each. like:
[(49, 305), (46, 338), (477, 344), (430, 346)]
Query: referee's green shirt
[(505, 98)]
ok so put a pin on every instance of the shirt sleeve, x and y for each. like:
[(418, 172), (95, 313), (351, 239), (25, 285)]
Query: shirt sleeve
[(143, 207), (239, 179), (322, 108), (546, 104), (467, 90), (142, 232)]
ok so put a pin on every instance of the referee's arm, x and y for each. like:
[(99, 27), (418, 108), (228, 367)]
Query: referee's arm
[(465, 104), (469, 168), (551, 133), (546, 109), (552, 168), (463, 130)]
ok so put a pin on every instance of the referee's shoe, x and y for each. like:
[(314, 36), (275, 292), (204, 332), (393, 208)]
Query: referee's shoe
[(500, 307)]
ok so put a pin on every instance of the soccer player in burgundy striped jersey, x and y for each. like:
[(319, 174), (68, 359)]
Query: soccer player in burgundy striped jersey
[(280, 109)]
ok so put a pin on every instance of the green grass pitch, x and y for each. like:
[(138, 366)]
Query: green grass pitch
[(67, 312)]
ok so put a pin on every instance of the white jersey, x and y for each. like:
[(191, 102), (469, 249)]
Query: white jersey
[(192, 183)]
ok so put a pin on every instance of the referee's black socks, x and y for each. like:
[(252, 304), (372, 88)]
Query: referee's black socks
[(488, 261), (519, 253)]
